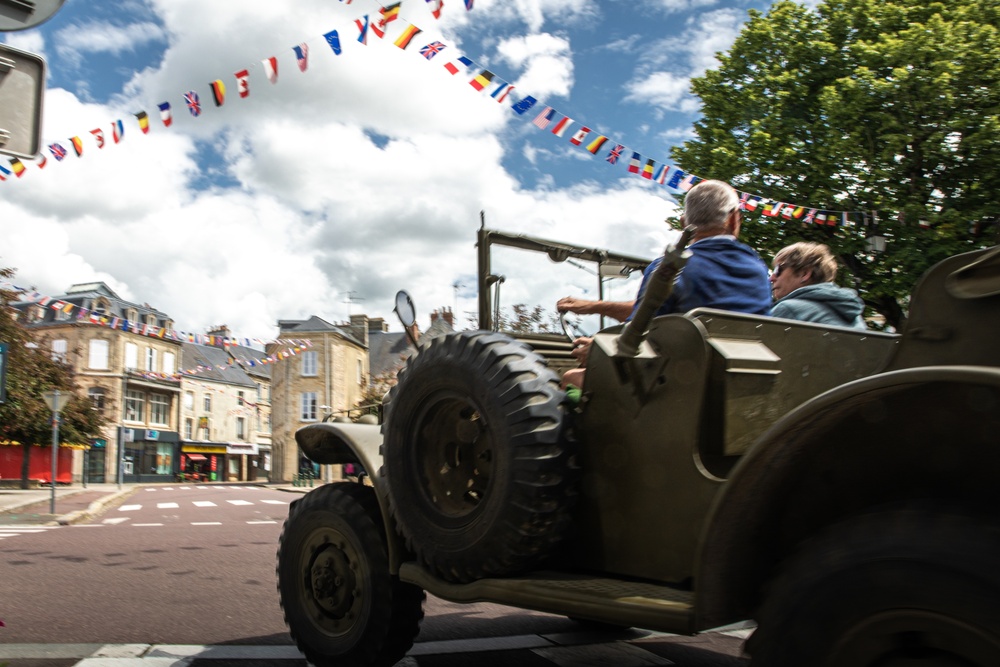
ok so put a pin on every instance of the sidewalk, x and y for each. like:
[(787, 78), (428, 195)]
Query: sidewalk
[(75, 503)]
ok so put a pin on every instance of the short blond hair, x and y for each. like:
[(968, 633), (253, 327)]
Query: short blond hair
[(807, 256)]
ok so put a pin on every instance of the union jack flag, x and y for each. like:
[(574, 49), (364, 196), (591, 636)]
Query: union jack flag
[(615, 153), (191, 98), (432, 50), (58, 152)]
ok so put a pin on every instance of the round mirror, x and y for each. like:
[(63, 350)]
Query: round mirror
[(404, 309)]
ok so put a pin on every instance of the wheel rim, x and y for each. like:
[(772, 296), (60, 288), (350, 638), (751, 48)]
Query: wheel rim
[(455, 455), (333, 580), (912, 637)]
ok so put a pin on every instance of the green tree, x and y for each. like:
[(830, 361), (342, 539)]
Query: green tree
[(31, 371), (890, 107)]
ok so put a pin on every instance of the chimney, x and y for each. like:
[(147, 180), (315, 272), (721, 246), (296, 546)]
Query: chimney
[(378, 325), (444, 314), (221, 330), (359, 327)]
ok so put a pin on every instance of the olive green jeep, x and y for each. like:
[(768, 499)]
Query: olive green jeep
[(837, 487)]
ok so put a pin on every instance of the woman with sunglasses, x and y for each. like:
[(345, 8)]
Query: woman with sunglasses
[(803, 288)]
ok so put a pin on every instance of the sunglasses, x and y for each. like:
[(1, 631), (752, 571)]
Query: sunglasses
[(777, 270)]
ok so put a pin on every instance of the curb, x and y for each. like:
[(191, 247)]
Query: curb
[(95, 507)]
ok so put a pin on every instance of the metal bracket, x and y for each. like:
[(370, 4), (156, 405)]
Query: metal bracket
[(4, 136), (7, 64), (27, 6)]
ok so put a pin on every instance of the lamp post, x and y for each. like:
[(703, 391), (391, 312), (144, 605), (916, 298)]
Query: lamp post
[(56, 401)]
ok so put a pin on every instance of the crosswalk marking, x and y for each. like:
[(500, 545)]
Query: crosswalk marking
[(273, 502), (204, 503), (167, 506), (116, 520), (239, 502), (129, 508)]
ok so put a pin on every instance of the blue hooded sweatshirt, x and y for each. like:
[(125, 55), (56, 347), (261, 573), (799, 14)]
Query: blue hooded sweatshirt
[(824, 303), (721, 273)]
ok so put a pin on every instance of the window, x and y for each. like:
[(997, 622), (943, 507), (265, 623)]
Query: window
[(240, 401), (131, 355), (135, 405), (98, 355), (309, 363), (188, 428), (59, 350), (189, 400), (208, 403), (267, 423), (150, 359), (132, 315), (159, 409), (260, 391), (98, 397), (361, 374), (241, 428), (309, 405), (168, 363)]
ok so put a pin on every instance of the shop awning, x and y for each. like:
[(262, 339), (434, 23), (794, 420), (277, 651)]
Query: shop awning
[(196, 457)]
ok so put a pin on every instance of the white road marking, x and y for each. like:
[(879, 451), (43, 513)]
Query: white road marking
[(239, 502), (144, 525), (274, 502), (253, 523), (129, 508), (206, 523), (167, 506), (116, 520), (204, 503)]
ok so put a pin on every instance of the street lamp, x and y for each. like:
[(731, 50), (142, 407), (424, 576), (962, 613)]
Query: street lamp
[(56, 401)]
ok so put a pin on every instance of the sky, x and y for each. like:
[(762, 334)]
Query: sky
[(330, 189)]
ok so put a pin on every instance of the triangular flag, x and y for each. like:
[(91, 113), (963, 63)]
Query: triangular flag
[(333, 39)]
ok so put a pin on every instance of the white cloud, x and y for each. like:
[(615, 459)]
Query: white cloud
[(76, 42), (663, 78), (312, 205)]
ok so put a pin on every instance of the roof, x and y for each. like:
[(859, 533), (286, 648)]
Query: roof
[(315, 325), (216, 364), (388, 351), (83, 295), (248, 354)]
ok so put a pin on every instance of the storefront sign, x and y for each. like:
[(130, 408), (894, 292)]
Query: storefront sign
[(203, 449), (242, 448)]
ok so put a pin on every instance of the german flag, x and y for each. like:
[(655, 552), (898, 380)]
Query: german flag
[(77, 145), (390, 13), (218, 92), (404, 40)]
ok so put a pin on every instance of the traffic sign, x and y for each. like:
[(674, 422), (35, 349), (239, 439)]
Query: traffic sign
[(22, 14), (56, 400), (22, 86)]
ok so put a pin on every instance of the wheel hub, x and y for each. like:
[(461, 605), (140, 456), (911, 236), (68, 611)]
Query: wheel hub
[(332, 584)]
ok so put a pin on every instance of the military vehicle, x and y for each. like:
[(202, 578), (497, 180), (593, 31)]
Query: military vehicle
[(836, 487)]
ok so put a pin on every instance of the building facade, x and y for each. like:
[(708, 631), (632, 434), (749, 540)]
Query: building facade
[(225, 416), (124, 370), (327, 378)]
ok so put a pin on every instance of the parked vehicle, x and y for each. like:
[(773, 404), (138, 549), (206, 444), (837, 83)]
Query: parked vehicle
[(836, 486)]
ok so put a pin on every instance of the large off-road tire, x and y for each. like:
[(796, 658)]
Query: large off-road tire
[(893, 589), (480, 474), (342, 606)]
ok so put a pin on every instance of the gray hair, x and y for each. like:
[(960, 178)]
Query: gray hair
[(708, 203)]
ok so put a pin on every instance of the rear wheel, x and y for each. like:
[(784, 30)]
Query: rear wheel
[(479, 473), (895, 589), (341, 604)]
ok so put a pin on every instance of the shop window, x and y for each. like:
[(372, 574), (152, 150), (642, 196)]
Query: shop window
[(309, 405), (159, 409), (131, 355), (135, 405), (98, 357), (309, 366)]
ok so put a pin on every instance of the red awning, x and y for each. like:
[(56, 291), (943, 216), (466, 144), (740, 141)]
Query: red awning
[(196, 457)]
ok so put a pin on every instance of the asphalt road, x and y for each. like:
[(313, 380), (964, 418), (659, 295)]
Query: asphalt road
[(173, 572)]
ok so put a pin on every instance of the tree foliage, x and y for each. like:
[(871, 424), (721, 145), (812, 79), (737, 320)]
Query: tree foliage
[(884, 106), (31, 371), (521, 318)]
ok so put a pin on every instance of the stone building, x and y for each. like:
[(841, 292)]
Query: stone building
[(124, 365), (328, 378), (225, 415)]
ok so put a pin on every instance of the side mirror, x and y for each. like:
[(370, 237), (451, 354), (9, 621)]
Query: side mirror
[(407, 314)]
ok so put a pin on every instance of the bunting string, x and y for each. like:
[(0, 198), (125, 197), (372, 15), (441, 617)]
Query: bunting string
[(483, 81), (77, 314)]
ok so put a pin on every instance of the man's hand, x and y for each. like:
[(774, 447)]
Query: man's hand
[(572, 304)]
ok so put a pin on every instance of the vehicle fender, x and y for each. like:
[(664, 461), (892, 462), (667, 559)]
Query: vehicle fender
[(329, 443), (923, 435)]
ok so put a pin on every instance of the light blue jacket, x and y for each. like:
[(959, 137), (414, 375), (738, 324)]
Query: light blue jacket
[(823, 303)]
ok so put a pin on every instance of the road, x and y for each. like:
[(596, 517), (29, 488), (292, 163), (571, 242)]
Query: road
[(184, 575)]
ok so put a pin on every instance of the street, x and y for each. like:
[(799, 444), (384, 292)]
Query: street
[(184, 575)]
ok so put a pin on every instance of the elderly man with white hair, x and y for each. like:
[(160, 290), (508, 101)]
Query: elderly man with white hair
[(721, 273)]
